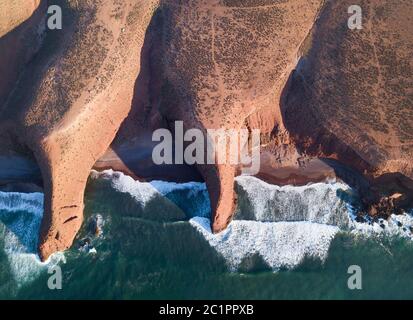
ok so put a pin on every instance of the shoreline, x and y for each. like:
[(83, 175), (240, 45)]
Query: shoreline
[(20, 171), (138, 164)]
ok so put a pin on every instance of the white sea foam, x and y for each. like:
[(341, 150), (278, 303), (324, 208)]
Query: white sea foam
[(190, 197), (279, 244), (145, 190), (281, 225), (20, 218), (319, 202), (15, 202), (396, 225)]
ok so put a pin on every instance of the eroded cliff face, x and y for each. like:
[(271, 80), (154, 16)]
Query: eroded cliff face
[(15, 12), (121, 69), (71, 100), (351, 98), (20, 37), (226, 62)]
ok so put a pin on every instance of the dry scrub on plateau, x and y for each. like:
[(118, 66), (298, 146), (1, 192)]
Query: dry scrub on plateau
[(324, 97)]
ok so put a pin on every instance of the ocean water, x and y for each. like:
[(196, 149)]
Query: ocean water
[(156, 243)]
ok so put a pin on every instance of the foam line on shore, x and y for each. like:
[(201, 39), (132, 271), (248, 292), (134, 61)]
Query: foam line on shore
[(20, 219)]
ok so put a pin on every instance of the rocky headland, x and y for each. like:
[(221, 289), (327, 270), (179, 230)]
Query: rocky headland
[(330, 102)]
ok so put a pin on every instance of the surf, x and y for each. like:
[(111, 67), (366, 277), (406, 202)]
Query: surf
[(274, 227), (20, 219)]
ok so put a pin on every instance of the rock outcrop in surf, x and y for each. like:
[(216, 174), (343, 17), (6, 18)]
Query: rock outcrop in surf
[(355, 89), (71, 99)]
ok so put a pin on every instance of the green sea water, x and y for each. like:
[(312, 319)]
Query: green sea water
[(166, 258)]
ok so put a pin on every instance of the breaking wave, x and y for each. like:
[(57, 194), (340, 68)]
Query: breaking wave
[(325, 203), (276, 244), (20, 219), (277, 227), (157, 200)]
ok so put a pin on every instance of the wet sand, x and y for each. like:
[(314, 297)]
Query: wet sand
[(18, 169), (136, 161)]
